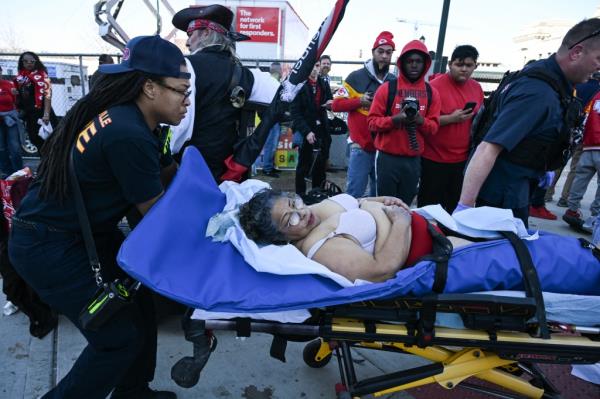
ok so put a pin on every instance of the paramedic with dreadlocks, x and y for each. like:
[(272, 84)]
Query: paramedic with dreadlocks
[(112, 135), (529, 119), (399, 129)]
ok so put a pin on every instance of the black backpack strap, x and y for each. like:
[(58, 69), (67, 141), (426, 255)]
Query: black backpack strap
[(531, 280), (392, 91), (429, 94)]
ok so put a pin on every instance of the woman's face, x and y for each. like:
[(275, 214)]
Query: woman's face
[(293, 218), (28, 62)]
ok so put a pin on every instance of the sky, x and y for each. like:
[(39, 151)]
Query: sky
[(69, 26)]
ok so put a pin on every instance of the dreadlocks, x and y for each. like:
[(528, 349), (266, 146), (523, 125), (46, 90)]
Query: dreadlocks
[(108, 91)]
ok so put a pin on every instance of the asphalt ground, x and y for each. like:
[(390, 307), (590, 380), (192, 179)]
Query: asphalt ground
[(238, 368)]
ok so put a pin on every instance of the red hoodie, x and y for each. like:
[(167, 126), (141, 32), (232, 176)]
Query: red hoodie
[(591, 133), (394, 140)]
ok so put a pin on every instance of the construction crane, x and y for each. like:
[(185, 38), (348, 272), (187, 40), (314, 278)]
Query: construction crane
[(107, 11), (416, 24)]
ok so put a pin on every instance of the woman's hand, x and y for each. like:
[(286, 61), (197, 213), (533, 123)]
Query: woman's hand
[(398, 214), (311, 138), (388, 201)]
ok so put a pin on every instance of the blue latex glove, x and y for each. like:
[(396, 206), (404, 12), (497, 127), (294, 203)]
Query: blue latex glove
[(461, 207), (546, 180)]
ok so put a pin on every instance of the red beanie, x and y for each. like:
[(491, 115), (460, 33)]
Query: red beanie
[(384, 38)]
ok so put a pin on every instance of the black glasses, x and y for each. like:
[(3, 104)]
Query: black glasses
[(594, 33), (184, 93)]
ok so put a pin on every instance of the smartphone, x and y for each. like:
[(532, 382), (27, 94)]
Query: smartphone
[(470, 106)]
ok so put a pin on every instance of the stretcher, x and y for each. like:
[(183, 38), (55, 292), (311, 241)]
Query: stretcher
[(502, 336)]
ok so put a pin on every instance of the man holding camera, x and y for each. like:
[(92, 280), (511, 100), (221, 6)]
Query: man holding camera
[(445, 154), (355, 97), (528, 128), (400, 120)]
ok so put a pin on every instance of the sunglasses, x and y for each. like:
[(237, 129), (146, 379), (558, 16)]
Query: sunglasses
[(294, 219), (594, 33), (184, 93)]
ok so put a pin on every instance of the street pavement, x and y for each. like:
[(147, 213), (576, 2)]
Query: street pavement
[(239, 368)]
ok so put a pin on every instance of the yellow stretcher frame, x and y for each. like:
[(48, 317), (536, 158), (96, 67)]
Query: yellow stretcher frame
[(496, 357), (457, 364)]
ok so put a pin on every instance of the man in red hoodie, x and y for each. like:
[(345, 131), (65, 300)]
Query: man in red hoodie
[(355, 98), (445, 154), (414, 112)]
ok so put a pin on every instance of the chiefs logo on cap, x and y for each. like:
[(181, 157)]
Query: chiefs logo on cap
[(382, 41), (126, 53)]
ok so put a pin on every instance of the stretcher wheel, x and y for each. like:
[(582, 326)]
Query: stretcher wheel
[(312, 357)]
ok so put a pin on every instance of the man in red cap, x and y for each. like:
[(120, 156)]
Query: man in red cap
[(400, 120), (355, 97), (221, 82)]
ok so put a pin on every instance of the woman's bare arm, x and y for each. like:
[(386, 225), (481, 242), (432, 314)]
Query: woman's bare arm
[(345, 257)]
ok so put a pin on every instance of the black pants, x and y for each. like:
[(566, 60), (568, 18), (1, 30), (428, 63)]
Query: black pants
[(311, 161), (441, 183), (32, 127), (397, 176), (536, 194), (122, 353)]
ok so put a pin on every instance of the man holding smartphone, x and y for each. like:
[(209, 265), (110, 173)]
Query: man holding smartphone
[(445, 154)]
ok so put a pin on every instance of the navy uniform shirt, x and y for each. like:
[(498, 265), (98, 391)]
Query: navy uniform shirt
[(117, 163), (529, 108)]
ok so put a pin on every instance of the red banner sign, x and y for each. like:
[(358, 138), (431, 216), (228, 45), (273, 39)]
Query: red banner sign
[(260, 23)]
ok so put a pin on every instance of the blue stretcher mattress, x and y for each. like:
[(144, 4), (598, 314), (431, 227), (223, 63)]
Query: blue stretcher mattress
[(169, 253)]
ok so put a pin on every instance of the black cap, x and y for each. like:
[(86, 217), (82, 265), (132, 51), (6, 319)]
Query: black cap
[(214, 12), (150, 54)]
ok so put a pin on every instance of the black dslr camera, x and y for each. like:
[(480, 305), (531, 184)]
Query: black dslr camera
[(410, 106)]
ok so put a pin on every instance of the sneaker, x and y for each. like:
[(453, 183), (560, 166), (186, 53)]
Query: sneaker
[(541, 212), (575, 220), (562, 203)]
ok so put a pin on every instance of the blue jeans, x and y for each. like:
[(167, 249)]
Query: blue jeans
[(10, 149), (361, 169), (596, 234), (270, 148)]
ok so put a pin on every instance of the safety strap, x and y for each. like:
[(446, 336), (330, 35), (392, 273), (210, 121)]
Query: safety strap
[(442, 250), (278, 347), (84, 222), (531, 280)]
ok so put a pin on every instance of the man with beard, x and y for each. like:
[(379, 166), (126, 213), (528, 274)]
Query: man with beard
[(355, 97), (400, 120)]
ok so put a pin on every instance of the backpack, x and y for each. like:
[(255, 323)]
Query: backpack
[(533, 152), (392, 91)]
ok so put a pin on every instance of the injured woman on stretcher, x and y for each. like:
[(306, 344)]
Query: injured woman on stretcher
[(368, 239), (192, 247)]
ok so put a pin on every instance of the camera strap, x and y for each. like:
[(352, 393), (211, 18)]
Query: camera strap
[(84, 222)]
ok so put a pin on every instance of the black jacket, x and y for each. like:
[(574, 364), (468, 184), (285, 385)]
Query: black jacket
[(304, 112), (216, 120)]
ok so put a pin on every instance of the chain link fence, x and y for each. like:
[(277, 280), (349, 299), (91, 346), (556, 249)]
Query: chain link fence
[(70, 75)]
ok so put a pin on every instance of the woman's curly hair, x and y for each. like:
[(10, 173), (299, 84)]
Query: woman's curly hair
[(257, 221)]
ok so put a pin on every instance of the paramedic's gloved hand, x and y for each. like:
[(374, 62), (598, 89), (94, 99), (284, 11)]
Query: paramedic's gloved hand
[(461, 207), (546, 180)]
